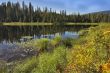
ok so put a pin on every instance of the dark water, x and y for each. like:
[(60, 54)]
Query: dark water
[(9, 35)]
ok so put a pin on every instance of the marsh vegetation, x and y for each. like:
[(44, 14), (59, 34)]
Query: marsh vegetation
[(88, 54), (44, 41)]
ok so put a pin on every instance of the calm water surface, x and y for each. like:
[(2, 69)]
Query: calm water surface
[(10, 35)]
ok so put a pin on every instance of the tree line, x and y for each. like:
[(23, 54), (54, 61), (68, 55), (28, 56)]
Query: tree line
[(14, 12)]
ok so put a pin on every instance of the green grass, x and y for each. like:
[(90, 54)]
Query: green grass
[(85, 55), (26, 24), (87, 23), (41, 24), (3, 67), (83, 23), (45, 63)]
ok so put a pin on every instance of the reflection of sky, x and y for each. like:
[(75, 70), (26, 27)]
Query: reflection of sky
[(8, 45), (63, 35), (83, 6), (70, 35)]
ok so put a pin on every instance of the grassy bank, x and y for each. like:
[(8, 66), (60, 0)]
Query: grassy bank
[(25, 24), (83, 23), (88, 54), (38, 23)]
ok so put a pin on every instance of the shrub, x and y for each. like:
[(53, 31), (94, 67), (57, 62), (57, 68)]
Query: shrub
[(68, 42), (86, 57), (56, 41), (42, 44), (3, 67), (52, 62), (89, 52), (27, 66)]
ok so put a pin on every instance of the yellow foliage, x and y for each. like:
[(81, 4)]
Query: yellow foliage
[(105, 68), (69, 67), (107, 32)]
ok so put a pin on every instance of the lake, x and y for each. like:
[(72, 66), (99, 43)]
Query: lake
[(10, 35)]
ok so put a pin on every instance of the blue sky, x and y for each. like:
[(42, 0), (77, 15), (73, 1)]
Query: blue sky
[(72, 6)]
